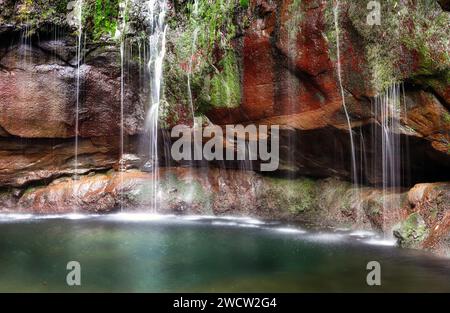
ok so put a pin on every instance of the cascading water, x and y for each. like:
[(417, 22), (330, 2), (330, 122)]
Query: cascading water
[(120, 35), (193, 50), (194, 44), (339, 73), (155, 18), (347, 116), (78, 13), (387, 109)]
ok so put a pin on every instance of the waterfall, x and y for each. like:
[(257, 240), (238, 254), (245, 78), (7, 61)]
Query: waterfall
[(359, 213), (194, 44), (339, 73), (155, 18), (79, 20), (120, 34), (387, 109), (193, 50)]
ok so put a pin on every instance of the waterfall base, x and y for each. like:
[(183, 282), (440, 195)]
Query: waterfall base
[(419, 218)]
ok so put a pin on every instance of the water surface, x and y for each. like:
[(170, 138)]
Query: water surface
[(150, 253)]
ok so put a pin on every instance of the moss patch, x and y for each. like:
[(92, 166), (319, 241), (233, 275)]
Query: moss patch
[(412, 231), (297, 195), (201, 50)]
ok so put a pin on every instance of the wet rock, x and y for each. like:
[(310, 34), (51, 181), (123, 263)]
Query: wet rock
[(128, 161), (38, 109), (431, 203), (411, 232), (418, 218), (328, 202), (38, 86)]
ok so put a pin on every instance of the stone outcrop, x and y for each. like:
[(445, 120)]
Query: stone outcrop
[(38, 98), (276, 65), (261, 62), (418, 218), (428, 223), (289, 75)]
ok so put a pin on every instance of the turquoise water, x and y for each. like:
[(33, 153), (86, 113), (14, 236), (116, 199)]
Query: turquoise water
[(151, 253)]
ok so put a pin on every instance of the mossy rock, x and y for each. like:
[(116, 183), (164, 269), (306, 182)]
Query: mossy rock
[(412, 232), (297, 196)]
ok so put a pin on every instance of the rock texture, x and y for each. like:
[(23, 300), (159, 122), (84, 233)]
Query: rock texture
[(418, 218), (38, 96), (262, 62), (428, 223), (269, 62)]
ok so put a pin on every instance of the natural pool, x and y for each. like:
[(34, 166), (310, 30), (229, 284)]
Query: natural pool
[(154, 253)]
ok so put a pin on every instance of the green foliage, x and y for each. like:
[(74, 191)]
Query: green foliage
[(100, 18), (214, 21), (225, 88), (105, 19), (202, 40), (245, 3), (34, 13)]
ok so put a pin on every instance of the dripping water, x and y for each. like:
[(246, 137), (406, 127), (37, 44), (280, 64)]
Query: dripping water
[(121, 34), (388, 106), (193, 51), (194, 43), (79, 12), (352, 144), (156, 44)]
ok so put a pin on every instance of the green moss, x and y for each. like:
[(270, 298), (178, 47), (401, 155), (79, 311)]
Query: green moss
[(34, 13), (244, 3), (412, 231), (100, 18), (297, 196), (225, 89), (429, 38), (446, 117), (382, 67), (411, 41), (201, 50), (293, 24)]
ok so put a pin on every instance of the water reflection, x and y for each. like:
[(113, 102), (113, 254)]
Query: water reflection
[(120, 253)]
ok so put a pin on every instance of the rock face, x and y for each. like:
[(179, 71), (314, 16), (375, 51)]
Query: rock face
[(38, 97), (291, 63), (284, 55), (418, 218), (267, 62), (428, 223), (215, 191), (290, 77)]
